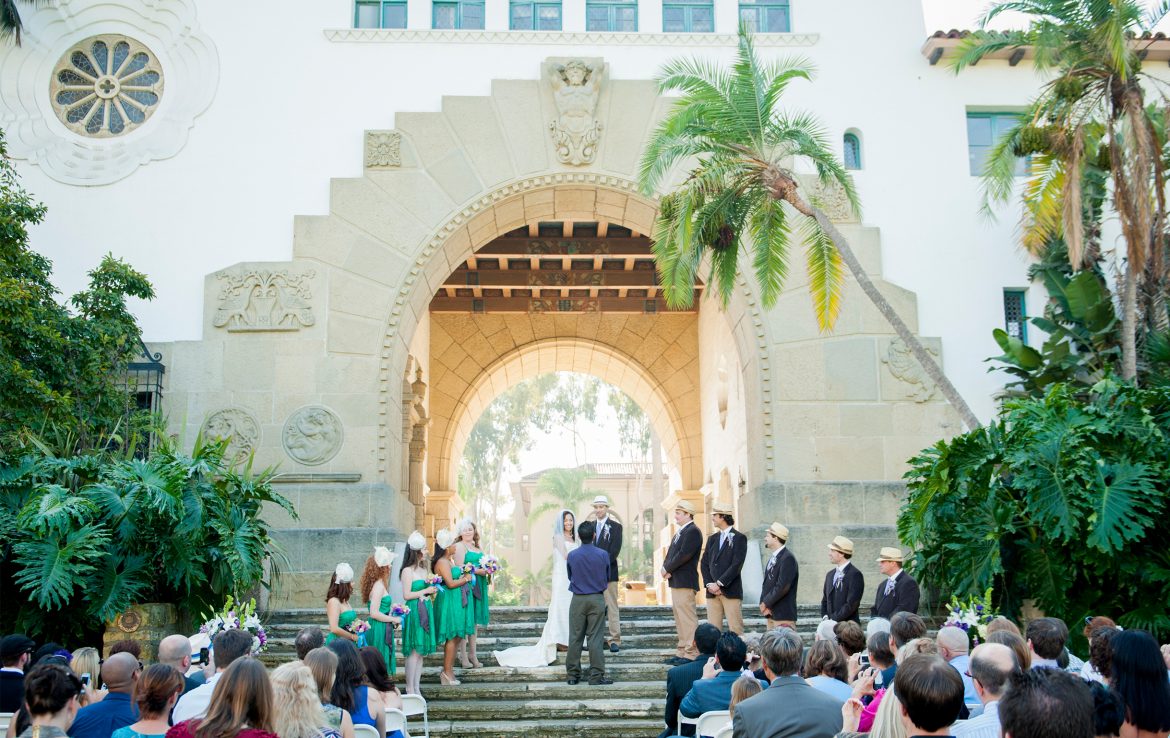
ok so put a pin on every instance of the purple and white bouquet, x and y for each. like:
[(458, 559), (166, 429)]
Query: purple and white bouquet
[(972, 615), (237, 616), (437, 582), (491, 563), (398, 610), (359, 628)]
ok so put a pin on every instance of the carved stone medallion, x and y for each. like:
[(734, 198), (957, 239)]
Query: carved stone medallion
[(576, 87), (383, 149), (831, 199), (106, 86), (903, 365), (312, 435), (238, 425), (264, 300)]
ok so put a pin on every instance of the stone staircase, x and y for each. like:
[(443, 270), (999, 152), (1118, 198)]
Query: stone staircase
[(496, 702)]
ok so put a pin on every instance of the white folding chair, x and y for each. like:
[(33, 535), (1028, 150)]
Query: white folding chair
[(5, 719), (416, 704), (684, 720), (361, 730), (395, 720), (727, 732), (709, 723)]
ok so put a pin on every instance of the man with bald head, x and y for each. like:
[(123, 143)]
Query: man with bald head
[(175, 650), (992, 664), (120, 672), (953, 645)]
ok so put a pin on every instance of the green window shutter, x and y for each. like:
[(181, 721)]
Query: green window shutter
[(611, 15), (766, 16), (460, 14), (535, 16), (1015, 314), (984, 130), (852, 146), (379, 14), (688, 16)]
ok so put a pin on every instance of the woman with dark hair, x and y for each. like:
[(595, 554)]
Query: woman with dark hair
[(341, 614), (467, 551), (1099, 666), (825, 670), (378, 680), (350, 693), (52, 696), (157, 692), (451, 603), (241, 706), (1108, 711), (1016, 643), (376, 591), (850, 638), (1138, 674), (418, 626)]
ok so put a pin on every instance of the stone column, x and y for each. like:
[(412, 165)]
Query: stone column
[(418, 449), (443, 509)]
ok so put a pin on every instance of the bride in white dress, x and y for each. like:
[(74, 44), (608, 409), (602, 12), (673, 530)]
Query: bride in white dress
[(556, 626)]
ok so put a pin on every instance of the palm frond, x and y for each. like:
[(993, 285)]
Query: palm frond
[(826, 273), (770, 232)]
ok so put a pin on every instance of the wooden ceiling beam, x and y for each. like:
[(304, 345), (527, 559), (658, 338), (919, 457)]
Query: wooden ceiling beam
[(553, 278), (583, 304), (520, 248)]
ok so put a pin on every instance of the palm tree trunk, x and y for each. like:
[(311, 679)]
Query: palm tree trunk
[(1129, 326)]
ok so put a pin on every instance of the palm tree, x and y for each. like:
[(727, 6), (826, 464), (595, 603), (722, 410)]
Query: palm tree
[(10, 24), (564, 489), (731, 121), (1089, 124)]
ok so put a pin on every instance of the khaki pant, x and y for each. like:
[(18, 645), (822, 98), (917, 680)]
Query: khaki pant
[(612, 616), (719, 606), (686, 619), (586, 613), (772, 624)]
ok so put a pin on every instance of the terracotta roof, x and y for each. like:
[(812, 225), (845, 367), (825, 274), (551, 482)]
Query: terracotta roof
[(943, 44), (610, 469)]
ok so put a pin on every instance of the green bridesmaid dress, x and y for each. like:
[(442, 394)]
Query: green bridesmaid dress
[(418, 625), (479, 604), (344, 620), (452, 613), (381, 636)]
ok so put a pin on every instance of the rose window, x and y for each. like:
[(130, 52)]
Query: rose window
[(106, 86)]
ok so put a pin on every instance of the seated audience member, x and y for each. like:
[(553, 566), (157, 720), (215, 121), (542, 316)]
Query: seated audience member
[(713, 691), (869, 682), (754, 662), (789, 706), (745, 687), (825, 669), (298, 714), (931, 694), (228, 647), (323, 664), (1138, 674), (850, 637), (1099, 666), (134, 648), (953, 645), (120, 673), (1108, 711), (158, 690), (175, 650), (881, 658), (377, 678), (1000, 623), (876, 624), (904, 627), (52, 694), (87, 664), (1046, 640), (15, 654), (1016, 643), (350, 693), (51, 651), (825, 631), (308, 639), (241, 706), (1046, 703), (886, 722), (992, 664), (681, 678)]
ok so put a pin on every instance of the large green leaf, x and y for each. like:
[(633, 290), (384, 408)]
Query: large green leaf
[(55, 510), (51, 568), (1117, 517), (118, 583)]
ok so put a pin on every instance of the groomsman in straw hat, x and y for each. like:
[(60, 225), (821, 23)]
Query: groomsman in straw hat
[(722, 562), (680, 569), (781, 579), (844, 584), (899, 593), (609, 539)]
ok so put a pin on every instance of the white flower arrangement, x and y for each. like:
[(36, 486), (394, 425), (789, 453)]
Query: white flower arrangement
[(242, 617), (972, 615)]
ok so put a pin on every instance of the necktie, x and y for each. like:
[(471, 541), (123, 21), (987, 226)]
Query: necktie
[(604, 531), (837, 579), (771, 563), (889, 587)]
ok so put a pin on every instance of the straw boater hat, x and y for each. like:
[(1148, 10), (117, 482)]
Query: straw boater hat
[(383, 556), (779, 531), (601, 500), (445, 538), (842, 544), (686, 507), (890, 553), (722, 508)]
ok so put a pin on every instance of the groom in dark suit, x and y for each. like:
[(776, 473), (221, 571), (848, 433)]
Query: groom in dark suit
[(721, 564), (844, 584), (609, 539), (680, 569), (588, 569), (899, 593)]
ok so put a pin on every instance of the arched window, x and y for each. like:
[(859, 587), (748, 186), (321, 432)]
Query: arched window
[(852, 151)]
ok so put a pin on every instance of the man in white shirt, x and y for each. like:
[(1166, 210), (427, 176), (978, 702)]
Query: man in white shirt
[(953, 644), (228, 646), (991, 666)]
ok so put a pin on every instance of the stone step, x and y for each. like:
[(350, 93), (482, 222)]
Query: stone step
[(532, 691), (510, 614), (592, 700), (578, 726)]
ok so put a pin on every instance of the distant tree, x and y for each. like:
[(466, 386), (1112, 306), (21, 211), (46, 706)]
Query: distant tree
[(563, 489)]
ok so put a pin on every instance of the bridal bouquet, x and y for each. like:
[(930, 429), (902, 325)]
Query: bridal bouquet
[(237, 616), (491, 563), (972, 615)]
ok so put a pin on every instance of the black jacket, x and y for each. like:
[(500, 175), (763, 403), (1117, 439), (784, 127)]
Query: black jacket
[(904, 598), (725, 565), (842, 603), (682, 558), (11, 691), (679, 681), (611, 543), (780, 582)]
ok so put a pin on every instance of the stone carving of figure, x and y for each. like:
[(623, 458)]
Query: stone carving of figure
[(312, 435), (576, 89)]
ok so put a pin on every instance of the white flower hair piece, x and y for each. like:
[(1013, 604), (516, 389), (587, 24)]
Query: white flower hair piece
[(383, 556), (445, 538), (344, 573), (416, 541), (463, 524)]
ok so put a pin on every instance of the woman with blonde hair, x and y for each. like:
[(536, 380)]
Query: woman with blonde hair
[(375, 587), (322, 664), (87, 664), (241, 706), (299, 716)]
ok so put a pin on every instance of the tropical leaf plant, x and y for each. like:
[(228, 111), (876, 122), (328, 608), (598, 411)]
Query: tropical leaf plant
[(742, 193)]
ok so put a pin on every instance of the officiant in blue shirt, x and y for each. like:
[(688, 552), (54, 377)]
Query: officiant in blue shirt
[(588, 569)]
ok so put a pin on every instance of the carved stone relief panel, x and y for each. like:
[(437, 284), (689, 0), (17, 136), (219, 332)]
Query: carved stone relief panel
[(913, 382), (383, 149), (312, 435), (830, 199), (264, 300), (239, 426), (576, 88)]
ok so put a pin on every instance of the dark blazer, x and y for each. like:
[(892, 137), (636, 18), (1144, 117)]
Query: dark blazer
[(725, 565), (11, 691), (842, 604), (710, 695), (682, 558), (790, 708), (101, 719), (904, 598), (780, 583), (611, 544), (679, 681)]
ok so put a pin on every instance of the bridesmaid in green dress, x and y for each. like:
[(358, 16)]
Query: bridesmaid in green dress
[(451, 603), (341, 614), (418, 627), (467, 551), (376, 591)]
